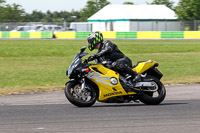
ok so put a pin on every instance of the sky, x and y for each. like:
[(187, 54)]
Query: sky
[(64, 5)]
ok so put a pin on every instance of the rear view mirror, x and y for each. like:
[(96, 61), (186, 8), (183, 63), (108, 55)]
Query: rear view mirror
[(83, 49)]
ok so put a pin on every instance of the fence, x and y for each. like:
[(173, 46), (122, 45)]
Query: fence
[(35, 35), (106, 34), (165, 25), (156, 26), (134, 25), (11, 26)]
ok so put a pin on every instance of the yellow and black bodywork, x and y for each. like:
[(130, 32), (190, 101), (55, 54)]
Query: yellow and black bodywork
[(102, 76)]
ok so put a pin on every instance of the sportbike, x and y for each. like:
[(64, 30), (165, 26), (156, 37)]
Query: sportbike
[(98, 82)]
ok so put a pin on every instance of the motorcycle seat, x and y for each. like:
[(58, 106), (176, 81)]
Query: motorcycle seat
[(137, 63)]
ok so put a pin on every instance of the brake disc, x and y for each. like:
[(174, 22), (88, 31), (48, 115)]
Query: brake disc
[(81, 94)]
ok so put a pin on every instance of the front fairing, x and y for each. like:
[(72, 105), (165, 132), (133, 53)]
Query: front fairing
[(76, 62)]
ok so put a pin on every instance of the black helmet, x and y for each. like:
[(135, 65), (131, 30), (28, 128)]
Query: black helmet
[(93, 39)]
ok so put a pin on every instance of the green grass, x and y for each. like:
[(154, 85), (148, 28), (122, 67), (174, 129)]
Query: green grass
[(37, 65)]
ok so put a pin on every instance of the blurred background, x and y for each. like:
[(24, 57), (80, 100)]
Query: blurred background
[(89, 15)]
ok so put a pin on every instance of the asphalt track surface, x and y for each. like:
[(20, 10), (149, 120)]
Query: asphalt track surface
[(50, 112)]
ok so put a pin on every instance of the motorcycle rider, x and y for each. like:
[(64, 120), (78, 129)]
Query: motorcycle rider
[(109, 51)]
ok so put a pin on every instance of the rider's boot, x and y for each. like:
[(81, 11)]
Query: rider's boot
[(134, 74)]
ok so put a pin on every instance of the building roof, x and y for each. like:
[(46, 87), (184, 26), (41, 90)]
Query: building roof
[(133, 12)]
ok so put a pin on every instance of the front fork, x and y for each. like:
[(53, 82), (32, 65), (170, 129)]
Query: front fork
[(83, 84)]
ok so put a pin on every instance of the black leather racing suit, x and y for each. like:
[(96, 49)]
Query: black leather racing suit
[(109, 51)]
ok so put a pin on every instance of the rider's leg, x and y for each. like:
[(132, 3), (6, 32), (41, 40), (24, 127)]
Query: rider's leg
[(134, 74), (121, 65)]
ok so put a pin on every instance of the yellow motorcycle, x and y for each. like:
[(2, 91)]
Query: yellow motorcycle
[(91, 82)]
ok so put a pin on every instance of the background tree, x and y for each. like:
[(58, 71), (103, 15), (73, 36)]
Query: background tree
[(2, 1), (168, 3), (92, 7), (128, 3), (2, 10), (11, 13), (35, 16), (188, 9), (14, 13)]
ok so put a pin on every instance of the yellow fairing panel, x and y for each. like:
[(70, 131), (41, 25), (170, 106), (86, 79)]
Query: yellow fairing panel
[(101, 76), (143, 66)]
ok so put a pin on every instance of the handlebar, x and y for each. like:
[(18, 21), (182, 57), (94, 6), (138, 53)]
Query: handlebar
[(107, 64)]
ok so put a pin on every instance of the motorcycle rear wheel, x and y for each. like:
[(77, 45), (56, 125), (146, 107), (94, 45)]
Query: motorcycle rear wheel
[(76, 97), (153, 98)]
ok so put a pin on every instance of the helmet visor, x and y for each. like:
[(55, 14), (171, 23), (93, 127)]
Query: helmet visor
[(90, 40)]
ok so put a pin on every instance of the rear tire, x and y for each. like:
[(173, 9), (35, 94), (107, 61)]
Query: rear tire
[(148, 97), (78, 98)]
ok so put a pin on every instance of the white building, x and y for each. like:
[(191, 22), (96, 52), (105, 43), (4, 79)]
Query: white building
[(135, 18)]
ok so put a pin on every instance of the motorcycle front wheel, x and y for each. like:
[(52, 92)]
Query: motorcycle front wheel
[(78, 97), (153, 98)]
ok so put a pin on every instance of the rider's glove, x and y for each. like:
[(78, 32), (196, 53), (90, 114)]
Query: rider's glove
[(86, 61), (91, 58)]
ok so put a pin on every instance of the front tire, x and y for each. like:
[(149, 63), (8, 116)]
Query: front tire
[(153, 98), (78, 98)]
